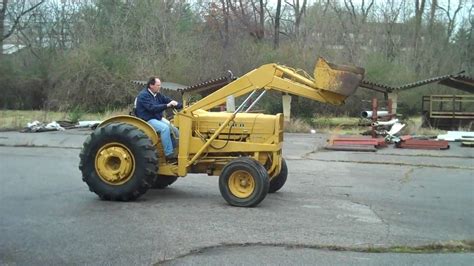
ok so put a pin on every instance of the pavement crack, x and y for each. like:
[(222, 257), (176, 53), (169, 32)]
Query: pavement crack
[(384, 222), (454, 246), (314, 151), (406, 176), (387, 224)]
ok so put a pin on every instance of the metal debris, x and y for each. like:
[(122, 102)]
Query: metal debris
[(356, 140), (456, 135), (423, 144)]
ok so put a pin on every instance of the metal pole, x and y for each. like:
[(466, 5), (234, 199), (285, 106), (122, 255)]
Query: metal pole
[(374, 116), (255, 102), (245, 101)]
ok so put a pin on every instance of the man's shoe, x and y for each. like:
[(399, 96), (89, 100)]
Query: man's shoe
[(171, 159)]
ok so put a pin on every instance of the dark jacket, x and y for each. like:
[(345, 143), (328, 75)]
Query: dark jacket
[(149, 106)]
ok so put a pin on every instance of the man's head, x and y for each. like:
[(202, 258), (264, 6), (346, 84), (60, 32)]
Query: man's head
[(154, 84)]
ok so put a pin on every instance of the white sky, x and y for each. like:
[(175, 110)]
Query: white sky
[(443, 3), (453, 4)]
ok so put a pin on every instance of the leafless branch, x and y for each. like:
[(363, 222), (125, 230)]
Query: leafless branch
[(18, 17)]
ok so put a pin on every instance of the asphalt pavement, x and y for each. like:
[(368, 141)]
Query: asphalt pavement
[(337, 208)]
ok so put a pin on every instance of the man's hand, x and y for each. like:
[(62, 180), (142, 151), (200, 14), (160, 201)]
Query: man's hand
[(172, 103)]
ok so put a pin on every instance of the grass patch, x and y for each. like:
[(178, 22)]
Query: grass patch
[(342, 130), (333, 125), (335, 122), (297, 126), (446, 247), (462, 246), (75, 115), (18, 119), (413, 127), (343, 125)]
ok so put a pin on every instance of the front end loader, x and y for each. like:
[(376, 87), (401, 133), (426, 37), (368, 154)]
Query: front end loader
[(123, 157)]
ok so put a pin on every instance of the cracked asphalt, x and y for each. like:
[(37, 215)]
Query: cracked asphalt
[(333, 201)]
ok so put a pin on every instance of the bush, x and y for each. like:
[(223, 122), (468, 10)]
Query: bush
[(91, 77), (75, 114), (22, 88)]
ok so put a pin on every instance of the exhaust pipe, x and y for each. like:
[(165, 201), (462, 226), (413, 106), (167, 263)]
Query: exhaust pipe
[(385, 123), (368, 114)]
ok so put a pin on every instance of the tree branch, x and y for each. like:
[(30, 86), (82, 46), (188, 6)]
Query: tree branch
[(17, 19)]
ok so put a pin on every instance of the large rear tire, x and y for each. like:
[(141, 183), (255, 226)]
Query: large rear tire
[(244, 182), (278, 181), (118, 162)]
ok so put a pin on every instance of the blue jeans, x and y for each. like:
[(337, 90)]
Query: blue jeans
[(164, 127)]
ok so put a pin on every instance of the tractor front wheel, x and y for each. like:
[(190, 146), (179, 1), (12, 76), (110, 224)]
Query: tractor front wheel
[(118, 162), (278, 181), (244, 182)]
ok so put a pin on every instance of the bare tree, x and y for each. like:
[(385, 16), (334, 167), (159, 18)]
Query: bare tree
[(225, 12), (259, 15), (434, 4), (470, 46), (392, 30), (3, 11), (451, 17), (11, 16), (419, 9), (353, 19), (298, 12), (276, 36), (250, 16), (355, 12)]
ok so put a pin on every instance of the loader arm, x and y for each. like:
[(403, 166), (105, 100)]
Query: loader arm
[(331, 84)]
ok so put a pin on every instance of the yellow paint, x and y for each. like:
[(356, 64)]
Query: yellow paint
[(134, 121), (241, 184), (337, 79), (114, 163)]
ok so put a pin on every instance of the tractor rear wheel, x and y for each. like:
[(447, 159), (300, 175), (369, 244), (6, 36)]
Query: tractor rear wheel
[(163, 181), (244, 182), (118, 162), (278, 181)]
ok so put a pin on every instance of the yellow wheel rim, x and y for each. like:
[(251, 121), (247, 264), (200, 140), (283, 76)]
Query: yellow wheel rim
[(114, 163), (241, 184)]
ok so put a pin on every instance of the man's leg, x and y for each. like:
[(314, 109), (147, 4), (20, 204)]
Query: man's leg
[(174, 131), (164, 131)]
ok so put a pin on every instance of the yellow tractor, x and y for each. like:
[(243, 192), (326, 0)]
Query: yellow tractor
[(124, 157)]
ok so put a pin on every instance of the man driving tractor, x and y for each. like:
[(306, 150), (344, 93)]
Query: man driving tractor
[(150, 105)]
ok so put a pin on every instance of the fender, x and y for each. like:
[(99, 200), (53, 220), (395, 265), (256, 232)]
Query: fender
[(136, 122)]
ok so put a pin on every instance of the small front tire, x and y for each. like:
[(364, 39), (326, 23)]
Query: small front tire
[(244, 182), (278, 181)]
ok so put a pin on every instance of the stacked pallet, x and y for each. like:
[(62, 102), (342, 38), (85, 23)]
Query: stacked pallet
[(355, 143), (408, 142)]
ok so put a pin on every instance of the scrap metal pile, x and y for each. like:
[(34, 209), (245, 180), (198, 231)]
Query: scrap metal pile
[(385, 129)]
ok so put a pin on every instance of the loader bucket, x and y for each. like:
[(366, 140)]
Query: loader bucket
[(339, 79)]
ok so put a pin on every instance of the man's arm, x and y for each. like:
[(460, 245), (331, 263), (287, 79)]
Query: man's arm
[(172, 103)]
